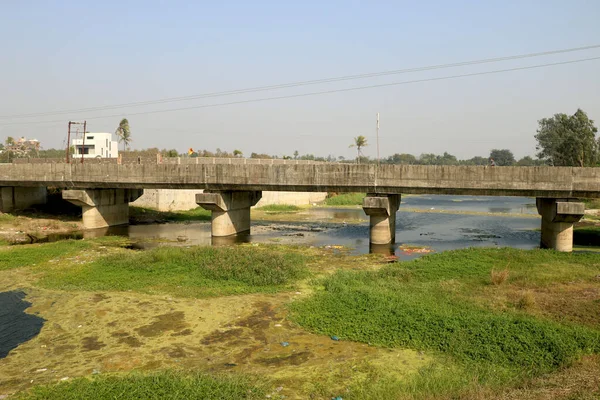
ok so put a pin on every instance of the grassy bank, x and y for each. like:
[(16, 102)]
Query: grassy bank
[(483, 323), (23, 256), (280, 208), (345, 199), (159, 386), (486, 312), (186, 272), (141, 215)]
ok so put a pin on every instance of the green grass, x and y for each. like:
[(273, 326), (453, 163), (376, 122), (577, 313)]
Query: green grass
[(591, 204), (6, 218), (159, 386), (345, 199), (141, 214), (26, 255), (425, 304), (280, 208), (188, 272)]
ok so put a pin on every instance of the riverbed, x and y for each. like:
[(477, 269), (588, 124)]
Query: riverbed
[(431, 223)]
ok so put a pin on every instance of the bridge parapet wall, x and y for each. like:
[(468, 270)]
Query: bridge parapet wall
[(555, 182)]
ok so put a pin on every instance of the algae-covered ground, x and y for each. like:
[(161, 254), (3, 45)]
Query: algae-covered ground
[(252, 321)]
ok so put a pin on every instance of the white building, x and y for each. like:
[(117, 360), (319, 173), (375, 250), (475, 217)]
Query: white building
[(96, 145)]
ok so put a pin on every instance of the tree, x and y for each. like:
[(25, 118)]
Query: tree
[(477, 160), (526, 161), (502, 157), (123, 133), (359, 142), (237, 153), (403, 158), (565, 140), (296, 154)]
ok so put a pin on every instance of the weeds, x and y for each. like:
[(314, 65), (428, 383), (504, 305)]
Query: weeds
[(526, 301), (190, 272), (23, 256), (159, 386), (408, 305), (498, 277)]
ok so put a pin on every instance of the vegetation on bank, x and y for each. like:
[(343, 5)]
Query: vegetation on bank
[(345, 199), (489, 331), (24, 256), (162, 385), (142, 215), (488, 319), (186, 272), (280, 208)]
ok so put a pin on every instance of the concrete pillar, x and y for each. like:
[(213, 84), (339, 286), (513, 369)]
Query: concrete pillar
[(230, 210), (558, 217), (381, 208), (103, 207), (18, 198)]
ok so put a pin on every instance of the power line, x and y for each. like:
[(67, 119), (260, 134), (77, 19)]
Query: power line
[(321, 92), (302, 83)]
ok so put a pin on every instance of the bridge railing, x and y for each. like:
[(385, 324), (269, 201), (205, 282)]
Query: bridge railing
[(157, 159)]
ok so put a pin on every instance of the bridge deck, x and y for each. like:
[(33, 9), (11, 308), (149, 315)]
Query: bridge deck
[(555, 182)]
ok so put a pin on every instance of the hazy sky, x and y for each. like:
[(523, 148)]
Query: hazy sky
[(63, 55)]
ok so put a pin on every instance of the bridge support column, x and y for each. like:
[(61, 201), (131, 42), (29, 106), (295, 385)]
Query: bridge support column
[(558, 217), (17, 198), (381, 208), (230, 210), (103, 207)]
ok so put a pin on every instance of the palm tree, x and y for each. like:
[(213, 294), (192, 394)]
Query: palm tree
[(360, 141), (123, 133)]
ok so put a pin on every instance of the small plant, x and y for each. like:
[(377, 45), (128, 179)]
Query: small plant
[(498, 277), (527, 301)]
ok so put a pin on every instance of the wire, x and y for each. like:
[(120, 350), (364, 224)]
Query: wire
[(302, 83), (322, 92)]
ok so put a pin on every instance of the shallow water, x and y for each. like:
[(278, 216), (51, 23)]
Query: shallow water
[(442, 223)]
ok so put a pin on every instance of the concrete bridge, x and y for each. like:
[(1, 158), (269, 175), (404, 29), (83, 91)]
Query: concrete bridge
[(105, 190)]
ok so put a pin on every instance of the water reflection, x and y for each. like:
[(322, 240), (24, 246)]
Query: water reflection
[(231, 240)]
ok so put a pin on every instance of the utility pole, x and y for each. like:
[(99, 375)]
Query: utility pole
[(377, 139), (83, 144), (69, 139), (68, 142)]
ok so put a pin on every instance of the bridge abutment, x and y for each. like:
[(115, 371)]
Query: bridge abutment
[(381, 208), (558, 217), (230, 210), (17, 198), (103, 207)]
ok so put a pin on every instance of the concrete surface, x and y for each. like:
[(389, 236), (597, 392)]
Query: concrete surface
[(557, 182), (230, 211), (558, 217), (103, 207), (19, 198)]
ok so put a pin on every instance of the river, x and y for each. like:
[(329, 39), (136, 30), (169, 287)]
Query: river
[(434, 222)]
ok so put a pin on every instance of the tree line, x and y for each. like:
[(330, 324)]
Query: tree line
[(562, 140)]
